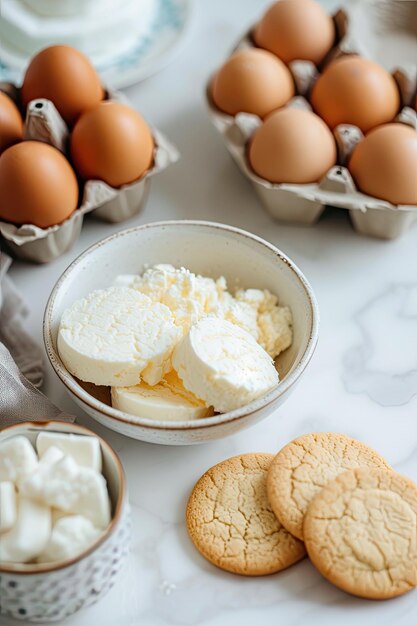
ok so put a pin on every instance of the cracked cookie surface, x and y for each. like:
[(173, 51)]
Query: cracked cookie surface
[(231, 522), (361, 533), (305, 465)]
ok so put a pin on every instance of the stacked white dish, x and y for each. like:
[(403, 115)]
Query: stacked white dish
[(102, 29)]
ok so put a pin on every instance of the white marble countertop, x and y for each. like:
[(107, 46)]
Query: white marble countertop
[(362, 380)]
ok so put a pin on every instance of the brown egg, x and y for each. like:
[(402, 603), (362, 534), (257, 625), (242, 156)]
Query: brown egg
[(295, 30), (11, 123), (66, 77), (354, 90), (112, 143), (292, 146), (38, 185), (252, 81), (384, 164)]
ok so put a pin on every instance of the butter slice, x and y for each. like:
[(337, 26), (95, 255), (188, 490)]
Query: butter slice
[(17, 458), (70, 536), (168, 400), (30, 533), (85, 450), (66, 486), (7, 506)]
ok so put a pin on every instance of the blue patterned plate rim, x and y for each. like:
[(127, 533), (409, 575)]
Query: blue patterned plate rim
[(148, 57)]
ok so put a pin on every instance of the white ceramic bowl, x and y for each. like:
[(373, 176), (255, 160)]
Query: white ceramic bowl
[(205, 248), (50, 592)]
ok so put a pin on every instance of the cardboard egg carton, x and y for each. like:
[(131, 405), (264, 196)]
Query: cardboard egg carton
[(42, 245), (366, 29)]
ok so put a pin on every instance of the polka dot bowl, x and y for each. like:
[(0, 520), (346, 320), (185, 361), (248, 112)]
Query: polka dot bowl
[(51, 592)]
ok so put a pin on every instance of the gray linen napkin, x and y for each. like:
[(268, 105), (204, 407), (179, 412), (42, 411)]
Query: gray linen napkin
[(24, 350), (21, 369)]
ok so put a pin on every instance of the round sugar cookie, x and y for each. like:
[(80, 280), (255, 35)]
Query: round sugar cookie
[(231, 523), (361, 533), (305, 465)]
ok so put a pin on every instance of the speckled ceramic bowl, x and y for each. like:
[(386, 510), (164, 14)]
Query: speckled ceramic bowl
[(52, 591), (204, 248)]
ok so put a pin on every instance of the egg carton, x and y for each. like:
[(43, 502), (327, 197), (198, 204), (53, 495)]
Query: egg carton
[(305, 203), (42, 245)]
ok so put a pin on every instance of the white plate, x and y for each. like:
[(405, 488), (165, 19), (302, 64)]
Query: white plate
[(150, 55)]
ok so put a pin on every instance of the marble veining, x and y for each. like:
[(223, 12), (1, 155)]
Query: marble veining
[(362, 379), (384, 364)]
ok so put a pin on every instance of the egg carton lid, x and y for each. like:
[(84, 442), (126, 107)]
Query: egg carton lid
[(43, 123), (303, 203)]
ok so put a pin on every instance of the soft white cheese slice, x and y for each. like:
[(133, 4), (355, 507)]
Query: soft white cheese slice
[(168, 400), (117, 335), (223, 364), (84, 450), (30, 533), (17, 458), (7, 505), (66, 486), (70, 536)]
